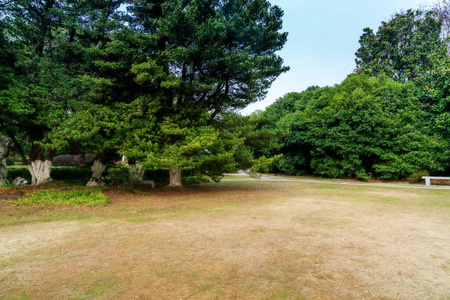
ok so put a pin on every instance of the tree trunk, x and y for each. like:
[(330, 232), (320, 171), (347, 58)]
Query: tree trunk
[(40, 171), (5, 142), (175, 177), (97, 170), (40, 165), (136, 172)]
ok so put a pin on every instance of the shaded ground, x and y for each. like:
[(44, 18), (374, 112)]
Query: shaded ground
[(236, 240)]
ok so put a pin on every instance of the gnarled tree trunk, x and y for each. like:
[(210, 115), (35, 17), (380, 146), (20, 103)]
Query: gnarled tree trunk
[(97, 170), (175, 177), (40, 165), (5, 143), (136, 170)]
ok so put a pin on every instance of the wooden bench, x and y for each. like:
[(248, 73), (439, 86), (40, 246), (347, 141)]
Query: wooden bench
[(428, 179)]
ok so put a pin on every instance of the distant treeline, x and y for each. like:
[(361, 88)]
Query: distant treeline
[(389, 119)]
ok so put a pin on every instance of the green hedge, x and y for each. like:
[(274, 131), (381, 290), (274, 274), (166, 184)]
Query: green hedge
[(163, 173), (71, 174), (23, 172), (66, 174)]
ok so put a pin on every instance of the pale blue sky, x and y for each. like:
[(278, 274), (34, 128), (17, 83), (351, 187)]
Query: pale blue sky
[(323, 38)]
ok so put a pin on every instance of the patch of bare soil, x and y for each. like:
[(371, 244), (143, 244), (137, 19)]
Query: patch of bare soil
[(259, 240), (7, 194)]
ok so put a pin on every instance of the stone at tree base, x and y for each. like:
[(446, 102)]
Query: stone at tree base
[(97, 170), (19, 181), (40, 171)]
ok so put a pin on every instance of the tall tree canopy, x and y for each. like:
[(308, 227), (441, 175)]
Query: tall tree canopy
[(204, 58), (162, 79), (46, 42), (413, 46), (401, 47), (365, 127)]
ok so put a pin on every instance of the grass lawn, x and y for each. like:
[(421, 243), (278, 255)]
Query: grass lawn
[(233, 240)]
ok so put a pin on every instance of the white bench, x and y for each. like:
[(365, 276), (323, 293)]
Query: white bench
[(428, 179), (150, 182)]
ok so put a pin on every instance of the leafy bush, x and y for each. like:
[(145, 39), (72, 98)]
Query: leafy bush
[(120, 177), (161, 176), (416, 177), (11, 161), (163, 173), (60, 197), (363, 127), (114, 176), (65, 173), (23, 172), (362, 175), (194, 180)]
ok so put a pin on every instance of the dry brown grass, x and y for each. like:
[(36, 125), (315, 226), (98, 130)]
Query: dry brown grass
[(254, 240)]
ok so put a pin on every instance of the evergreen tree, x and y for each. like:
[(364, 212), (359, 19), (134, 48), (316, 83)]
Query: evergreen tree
[(204, 58), (47, 40)]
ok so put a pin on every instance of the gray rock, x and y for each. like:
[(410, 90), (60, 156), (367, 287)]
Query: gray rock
[(19, 181)]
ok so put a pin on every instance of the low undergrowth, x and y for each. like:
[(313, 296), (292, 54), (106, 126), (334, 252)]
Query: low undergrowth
[(63, 197)]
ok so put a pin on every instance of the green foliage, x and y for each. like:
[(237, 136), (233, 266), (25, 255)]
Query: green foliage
[(162, 79), (293, 142), (23, 172), (217, 55), (401, 48), (435, 95), (47, 43), (363, 128), (261, 164), (194, 180), (416, 177), (74, 197), (412, 46), (209, 58), (120, 177), (60, 173)]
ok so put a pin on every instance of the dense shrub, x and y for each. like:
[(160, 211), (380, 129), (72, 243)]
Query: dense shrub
[(58, 197), (119, 177), (163, 173), (114, 176), (416, 177), (66, 174), (365, 127), (23, 172), (194, 180)]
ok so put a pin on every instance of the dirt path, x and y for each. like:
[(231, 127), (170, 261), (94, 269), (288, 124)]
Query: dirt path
[(258, 240)]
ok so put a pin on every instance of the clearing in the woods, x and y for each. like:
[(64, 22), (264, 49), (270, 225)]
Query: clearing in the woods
[(233, 240)]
